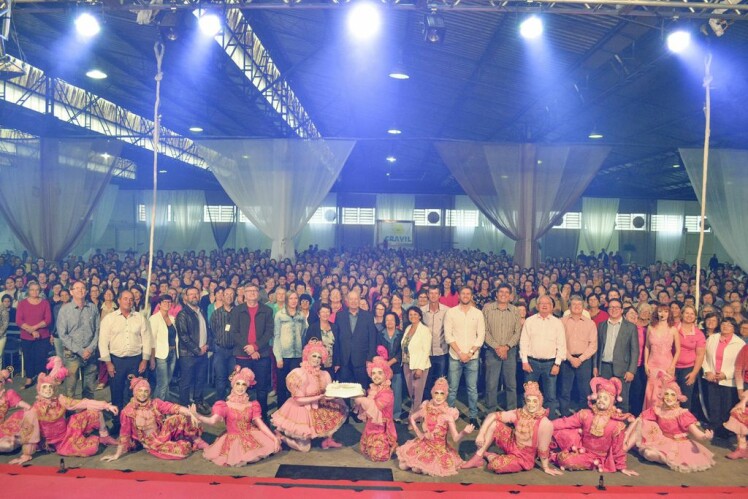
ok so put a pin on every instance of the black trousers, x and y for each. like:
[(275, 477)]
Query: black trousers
[(288, 366), (721, 400), (354, 374), (638, 389), (261, 368), (568, 378), (35, 353), (120, 384), (194, 374), (680, 376)]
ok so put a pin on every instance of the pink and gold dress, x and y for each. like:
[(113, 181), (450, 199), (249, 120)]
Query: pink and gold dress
[(45, 424), (10, 427), (665, 433), (313, 420), (159, 428), (600, 444), (379, 438), (530, 438), (431, 454), (243, 441)]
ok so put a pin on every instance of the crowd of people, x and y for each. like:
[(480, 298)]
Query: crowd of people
[(588, 344)]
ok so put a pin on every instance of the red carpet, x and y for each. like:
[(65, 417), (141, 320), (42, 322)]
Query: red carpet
[(42, 481)]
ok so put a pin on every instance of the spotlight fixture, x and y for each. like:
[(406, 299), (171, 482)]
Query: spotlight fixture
[(676, 165), (678, 41), (195, 129), (87, 25), (434, 29), (595, 134), (394, 130), (208, 21), (96, 74), (531, 28), (163, 171), (364, 20), (391, 158)]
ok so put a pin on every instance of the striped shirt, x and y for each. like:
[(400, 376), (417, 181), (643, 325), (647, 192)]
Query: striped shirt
[(502, 326), (218, 322)]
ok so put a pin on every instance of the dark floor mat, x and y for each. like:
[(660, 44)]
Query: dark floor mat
[(333, 473)]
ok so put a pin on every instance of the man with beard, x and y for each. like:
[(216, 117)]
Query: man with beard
[(192, 329)]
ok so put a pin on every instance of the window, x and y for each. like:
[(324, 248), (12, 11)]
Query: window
[(324, 215), (461, 218), (692, 223), (142, 214), (667, 223), (219, 213), (571, 220), (421, 217), (628, 221), (358, 216)]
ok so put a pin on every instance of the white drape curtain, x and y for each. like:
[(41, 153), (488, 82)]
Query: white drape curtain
[(188, 212), (164, 216), (669, 238), (395, 207), (322, 234), (726, 196), (50, 188), (102, 215), (522, 188), (463, 235), (279, 183), (598, 225), (484, 236)]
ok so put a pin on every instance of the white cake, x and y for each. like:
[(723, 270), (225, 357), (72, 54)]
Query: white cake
[(344, 390)]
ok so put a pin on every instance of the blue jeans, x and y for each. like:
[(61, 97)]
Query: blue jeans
[(438, 369), (164, 372), (470, 368), (397, 389), (89, 372), (541, 373), (223, 365)]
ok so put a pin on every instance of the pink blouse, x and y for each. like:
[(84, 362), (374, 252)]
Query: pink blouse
[(689, 343)]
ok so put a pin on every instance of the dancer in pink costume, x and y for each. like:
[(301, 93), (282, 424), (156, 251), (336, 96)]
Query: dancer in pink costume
[(660, 353), (429, 452), (165, 430), (738, 422), (247, 438), (45, 422), (308, 413), (662, 432), (379, 439), (10, 427), (530, 438), (594, 438)]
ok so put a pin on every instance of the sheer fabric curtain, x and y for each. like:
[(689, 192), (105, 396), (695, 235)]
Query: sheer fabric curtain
[(522, 188), (102, 215), (599, 225), (669, 239), (726, 199), (50, 188), (220, 229), (188, 210), (463, 235), (279, 183), (164, 202), (395, 207)]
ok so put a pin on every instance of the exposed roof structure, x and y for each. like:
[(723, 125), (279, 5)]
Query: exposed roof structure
[(601, 66)]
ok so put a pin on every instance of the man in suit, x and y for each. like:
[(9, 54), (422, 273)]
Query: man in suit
[(618, 350), (358, 341)]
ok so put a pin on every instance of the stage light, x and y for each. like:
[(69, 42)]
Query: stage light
[(364, 20), (391, 158), (434, 29), (393, 130), (398, 72), (195, 129), (87, 25), (531, 28), (96, 74), (209, 22), (595, 134), (678, 41), (163, 171)]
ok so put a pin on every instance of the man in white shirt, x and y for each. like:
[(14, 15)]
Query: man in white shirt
[(542, 348), (465, 332), (125, 345), (433, 317)]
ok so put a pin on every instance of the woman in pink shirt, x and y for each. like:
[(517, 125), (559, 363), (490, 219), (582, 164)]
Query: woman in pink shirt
[(692, 350), (33, 317)]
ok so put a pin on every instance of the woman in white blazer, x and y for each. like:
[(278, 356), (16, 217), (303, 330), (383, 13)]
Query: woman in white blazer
[(416, 353), (166, 343), (719, 372)]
